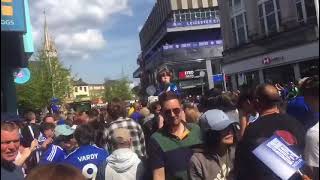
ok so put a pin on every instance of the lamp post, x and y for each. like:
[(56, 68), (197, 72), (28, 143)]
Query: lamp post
[(202, 74), (51, 72)]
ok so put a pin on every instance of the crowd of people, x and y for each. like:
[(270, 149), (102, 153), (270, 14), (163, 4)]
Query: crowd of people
[(172, 138)]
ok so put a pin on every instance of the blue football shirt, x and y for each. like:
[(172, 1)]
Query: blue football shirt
[(54, 154), (87, 158)]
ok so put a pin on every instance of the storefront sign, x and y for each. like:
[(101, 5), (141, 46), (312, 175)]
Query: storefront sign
[(13, 15), (287, 56), (193, 23), (218, 78), (193, 45), (268, 60), (186, 74), (22, 75)]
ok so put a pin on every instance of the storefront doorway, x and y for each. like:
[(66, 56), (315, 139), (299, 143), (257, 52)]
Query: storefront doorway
[(309, 68), (280, 74)]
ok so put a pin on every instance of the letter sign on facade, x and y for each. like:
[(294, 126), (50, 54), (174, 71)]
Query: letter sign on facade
[(13, 16)]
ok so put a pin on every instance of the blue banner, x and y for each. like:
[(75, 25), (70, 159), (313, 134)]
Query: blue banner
[(193, 45), (13, 16), (218, 78), (193, 23)]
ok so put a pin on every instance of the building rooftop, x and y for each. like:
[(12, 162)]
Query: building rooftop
[(80, 82)]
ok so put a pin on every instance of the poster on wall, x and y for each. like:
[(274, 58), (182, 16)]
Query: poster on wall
[(13, 16)]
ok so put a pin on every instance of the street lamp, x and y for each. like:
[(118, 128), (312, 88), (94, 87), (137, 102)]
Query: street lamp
[(202, 74)]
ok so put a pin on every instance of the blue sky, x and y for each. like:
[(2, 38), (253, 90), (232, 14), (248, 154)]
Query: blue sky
[(98, 38)]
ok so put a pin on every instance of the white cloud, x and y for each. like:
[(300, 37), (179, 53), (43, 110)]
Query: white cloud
[(76, 25)]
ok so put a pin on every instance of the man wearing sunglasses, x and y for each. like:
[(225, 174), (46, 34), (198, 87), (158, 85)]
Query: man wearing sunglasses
[(10, 142), (170, 147)]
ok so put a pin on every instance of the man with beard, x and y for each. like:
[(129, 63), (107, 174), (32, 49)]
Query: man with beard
[(170, 147)]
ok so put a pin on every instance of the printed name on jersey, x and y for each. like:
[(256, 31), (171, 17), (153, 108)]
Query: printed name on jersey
[(88, 157)]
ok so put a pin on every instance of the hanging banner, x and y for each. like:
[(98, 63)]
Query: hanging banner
[(13, 16), (193, 44), (193, 23)]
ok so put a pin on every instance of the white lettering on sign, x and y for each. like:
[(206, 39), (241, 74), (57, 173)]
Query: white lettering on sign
[(283, 151), (7, 22), (189, 74)]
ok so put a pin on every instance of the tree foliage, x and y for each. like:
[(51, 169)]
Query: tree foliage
[(43, 85), (118, 89)]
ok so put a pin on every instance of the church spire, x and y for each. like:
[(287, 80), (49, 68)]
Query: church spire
[(46, 35), (48, 44)]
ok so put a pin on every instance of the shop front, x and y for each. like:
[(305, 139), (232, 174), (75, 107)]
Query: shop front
[(282, 66), (191, 82)]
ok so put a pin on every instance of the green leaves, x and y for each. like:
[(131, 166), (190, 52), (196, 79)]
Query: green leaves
[(118, 89), (47, 73)]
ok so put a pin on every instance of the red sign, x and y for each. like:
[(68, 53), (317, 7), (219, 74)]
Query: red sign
[(266, 60), (186, 74)]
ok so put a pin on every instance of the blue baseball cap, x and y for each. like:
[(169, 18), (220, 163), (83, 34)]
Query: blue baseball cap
[(215, 119)]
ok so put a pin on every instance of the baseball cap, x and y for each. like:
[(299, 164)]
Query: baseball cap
[(121, 135), (63, 130), (215, 119)]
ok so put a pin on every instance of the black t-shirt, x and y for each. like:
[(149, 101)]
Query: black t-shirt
[(247, 166)]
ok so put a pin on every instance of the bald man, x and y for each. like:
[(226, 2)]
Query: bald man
[(270, 122)]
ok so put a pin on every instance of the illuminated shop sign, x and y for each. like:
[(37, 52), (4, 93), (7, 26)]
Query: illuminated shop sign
[(193, 23), (186, 75), (193, 44), (13, 15)]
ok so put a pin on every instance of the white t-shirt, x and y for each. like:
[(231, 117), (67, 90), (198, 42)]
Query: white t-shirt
[(312, 146)]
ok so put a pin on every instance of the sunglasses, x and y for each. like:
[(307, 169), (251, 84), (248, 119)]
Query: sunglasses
[(176, 111)]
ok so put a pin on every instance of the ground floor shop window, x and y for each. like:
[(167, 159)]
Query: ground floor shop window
[(280, 74), (309, 68), (248, 79)]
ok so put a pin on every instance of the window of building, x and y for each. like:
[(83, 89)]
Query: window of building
[(80, 88), (194, 14), (76, 89), (269, 16), (305, 10), (85, 89), (239, 21)]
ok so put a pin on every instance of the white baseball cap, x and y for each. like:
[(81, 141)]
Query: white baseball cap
[(215, 119)]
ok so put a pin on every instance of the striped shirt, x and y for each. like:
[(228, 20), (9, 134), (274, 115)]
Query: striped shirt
[(138, 140), (54, 154)]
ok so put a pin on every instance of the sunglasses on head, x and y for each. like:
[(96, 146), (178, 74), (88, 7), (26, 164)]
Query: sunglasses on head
[(176, 111)]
